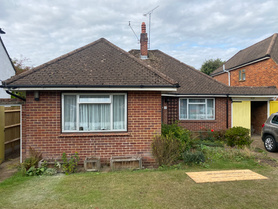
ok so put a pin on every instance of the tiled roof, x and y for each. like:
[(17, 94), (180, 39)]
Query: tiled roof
[(263, 49), (194, 82), (97, 64), (191, 81)]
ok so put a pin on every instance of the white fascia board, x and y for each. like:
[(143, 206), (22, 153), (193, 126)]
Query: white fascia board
[(195, 95), (253, 96), (168, 89)]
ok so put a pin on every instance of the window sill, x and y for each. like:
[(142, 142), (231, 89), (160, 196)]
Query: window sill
[(198, 121), (76, 134), (242, 80)]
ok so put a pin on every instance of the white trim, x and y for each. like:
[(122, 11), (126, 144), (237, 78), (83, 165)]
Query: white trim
[(77, 112), (268, 108), (250, 96), (206, 119), (184, 95), (95, 89), (251, 99), (231, 114)]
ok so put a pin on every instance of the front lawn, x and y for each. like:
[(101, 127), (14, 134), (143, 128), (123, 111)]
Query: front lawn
[(162, 188)]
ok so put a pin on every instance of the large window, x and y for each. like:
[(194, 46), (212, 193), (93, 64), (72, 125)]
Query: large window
[(94, 112), (197, 109)]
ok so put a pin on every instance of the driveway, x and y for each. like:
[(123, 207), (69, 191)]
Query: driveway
[(259, 144)]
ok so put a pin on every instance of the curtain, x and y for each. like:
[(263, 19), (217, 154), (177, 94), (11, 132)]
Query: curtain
[(183, 109), (94, 117), (118, 112), (210, 109), (69, 112), (197, 111)]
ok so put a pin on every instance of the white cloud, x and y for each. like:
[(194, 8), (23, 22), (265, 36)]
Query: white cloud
[(191, 31)]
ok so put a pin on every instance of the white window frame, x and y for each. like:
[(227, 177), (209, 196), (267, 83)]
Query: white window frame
[(188, 103), (77, 111)]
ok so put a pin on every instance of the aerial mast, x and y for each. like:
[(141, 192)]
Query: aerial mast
[(150, 17)]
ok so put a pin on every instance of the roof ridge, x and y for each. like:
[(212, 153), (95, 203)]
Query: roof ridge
[(39, 67), (162, 75), (194, 70), (271, 44)]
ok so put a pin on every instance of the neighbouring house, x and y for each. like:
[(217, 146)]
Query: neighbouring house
[(6, 66), (205, 103), (256, 65), (97, 100)]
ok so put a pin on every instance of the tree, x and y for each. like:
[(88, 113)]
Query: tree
[(19, 65), (210, 65)]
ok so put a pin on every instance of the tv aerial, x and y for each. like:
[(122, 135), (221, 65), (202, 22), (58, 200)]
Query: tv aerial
[(150, 17)]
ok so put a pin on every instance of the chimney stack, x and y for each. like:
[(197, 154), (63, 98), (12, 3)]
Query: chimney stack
[(144, 42)]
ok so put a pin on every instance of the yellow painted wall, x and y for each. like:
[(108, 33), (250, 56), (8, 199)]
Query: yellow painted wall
[(273, 107), (2, 134), (242, 114)]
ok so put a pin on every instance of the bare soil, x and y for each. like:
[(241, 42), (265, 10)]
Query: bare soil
[(8, 167)]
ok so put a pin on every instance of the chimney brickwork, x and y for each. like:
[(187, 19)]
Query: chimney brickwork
[(144, 42)]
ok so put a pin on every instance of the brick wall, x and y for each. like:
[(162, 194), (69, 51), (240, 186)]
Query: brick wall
[(219, 123), (42, 129), (223, 78)]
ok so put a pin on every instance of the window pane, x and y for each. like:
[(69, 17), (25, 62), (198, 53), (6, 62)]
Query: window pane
[(197, 100), (210, 109), (94, 117), (197, 111), (94, 98), (118, 112), (239, 75), (243, 76), (183, 109), (69, 112)]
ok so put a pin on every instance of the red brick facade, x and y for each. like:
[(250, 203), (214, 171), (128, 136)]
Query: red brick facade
[(220, 122), (223, 78), (264, 73), (41, 129)]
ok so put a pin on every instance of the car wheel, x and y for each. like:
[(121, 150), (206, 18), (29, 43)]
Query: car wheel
[(270, 143)]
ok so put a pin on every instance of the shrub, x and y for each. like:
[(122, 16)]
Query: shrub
[(193, 157), (211, 135), (30, 162), (181, 134), (70, 165), (50, 172), (165, 149), (238, 136)]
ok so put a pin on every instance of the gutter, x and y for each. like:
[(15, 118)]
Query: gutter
[(11, 93), (93, 87)]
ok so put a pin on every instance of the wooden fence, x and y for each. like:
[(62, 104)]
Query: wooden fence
[(9, 131)]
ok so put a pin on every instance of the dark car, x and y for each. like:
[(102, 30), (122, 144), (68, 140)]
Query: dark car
[(270, 133)]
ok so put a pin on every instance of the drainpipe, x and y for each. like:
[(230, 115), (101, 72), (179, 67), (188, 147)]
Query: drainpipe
[(227, 112), (229, 75)]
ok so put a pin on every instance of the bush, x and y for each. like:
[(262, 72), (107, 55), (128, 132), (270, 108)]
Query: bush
[(211, 135), (50, 172), (30, 163), (238, 136), (181, 134), (70, 165), (165, 149), (193, 157)]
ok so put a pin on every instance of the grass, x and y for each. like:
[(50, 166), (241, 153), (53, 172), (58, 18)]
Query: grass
[(162, 188)]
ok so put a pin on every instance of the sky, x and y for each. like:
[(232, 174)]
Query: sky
[(190, 31)]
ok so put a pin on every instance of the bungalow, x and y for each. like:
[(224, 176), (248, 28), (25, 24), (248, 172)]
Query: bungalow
[(97, 100), (203, 102)]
